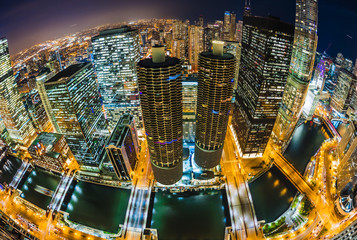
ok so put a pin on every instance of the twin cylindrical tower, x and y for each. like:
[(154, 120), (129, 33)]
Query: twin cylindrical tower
[(214, 94), (160, 86)]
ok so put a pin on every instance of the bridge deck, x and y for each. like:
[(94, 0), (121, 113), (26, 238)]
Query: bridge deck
[(294, 176)]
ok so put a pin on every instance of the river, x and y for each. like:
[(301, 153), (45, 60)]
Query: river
[(97, 206), (191, 215), (272, 193)]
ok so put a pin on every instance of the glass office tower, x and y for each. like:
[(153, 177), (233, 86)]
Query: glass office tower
[(76, 107), (300, 72), (266, 52), (115, 55), (12, 109)]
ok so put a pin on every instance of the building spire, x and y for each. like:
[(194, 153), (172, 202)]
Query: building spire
[(247, 9)]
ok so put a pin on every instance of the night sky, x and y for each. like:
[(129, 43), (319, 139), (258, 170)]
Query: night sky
[(27, 22)]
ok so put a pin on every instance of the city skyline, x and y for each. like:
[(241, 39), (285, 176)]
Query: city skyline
[(40, 20), (178, 127)]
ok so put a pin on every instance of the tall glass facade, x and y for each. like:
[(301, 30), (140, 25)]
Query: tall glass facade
[(115, 55), (300, 72), (344, 96), (266, 53), (76, 107), (12, 109), (195, 45)]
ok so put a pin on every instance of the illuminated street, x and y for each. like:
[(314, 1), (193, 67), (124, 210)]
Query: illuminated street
[(178, 120)]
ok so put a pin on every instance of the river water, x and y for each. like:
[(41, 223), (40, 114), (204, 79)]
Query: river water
[(191, 215), (272, 193), (9, 167), (39, 187), (97, 206)]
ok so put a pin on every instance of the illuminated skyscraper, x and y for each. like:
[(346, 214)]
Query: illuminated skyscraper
[(40, 84), (315, 90), (247, 8), (239, 31), (123, 147), (12, 110), (160, 85), (201, 21), (179, 49), (347, 152), (214, 95), (195, 45), (189, 103), (265, 59), (344, 96), (37, 112), (301, 66), (234, 48), (229, 26), (116, 53), (75, 104)]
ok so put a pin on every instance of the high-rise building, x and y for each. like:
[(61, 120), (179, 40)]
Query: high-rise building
[(40, 83), (344, 96), (201, 21), (347, 153), (264, 66), (123, 147), (229, 26), (247, 8), (189, 103), (195, 45), (179, 49), (214, 95), (51, 151), (12, 109), (239, 31), (74, 99), (300, 73), (315, 90), (160, 85), (179, 30), (234, 48), (115, 55), (180, 39), (37, 112)]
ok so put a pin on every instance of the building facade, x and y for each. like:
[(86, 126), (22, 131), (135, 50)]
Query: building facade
[(40, 84), (189, 105), (229, 26), (264, 66), (195, 45), (350, 233), (12, 109), (235, 49), (344, 96), (75, 104), (160, 84), (214, 95), (115, 55), (51, 151), (300, 72), (37, 112), (347, 151), (123, 147)]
